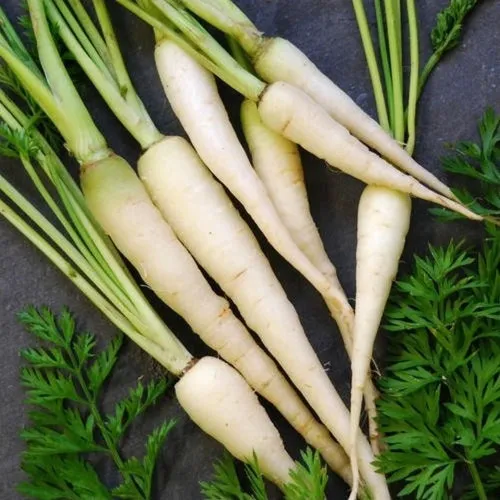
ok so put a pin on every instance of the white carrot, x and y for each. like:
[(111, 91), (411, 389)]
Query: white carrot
[(290, 112), (276, 59), (120, 203), (221, 403), (201, 214), (193, 95), (383, 215), (383, 222), (277, 162)]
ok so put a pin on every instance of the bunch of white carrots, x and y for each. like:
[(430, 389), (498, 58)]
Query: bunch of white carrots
[(299, 106), (211, 392), (176, 215)]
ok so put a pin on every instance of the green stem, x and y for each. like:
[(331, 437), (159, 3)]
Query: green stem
[(83, 37), (230, 19), (99, 245), (23, 122), (66, 268), (371, 59), (150, 334), (476, 478), (92, 261), (237, 81), (393, 30), (83, 137), (397, 13), (86, 228), (414, 62), (386, 66), (67, 189), (428, 69), (137, 123), (166, 31), (239, 54), (76, 256), (13, 40), (33, 84), (451, 39), (122, 77), (245, 83), (145, 327), (116, 281), (68, 227), (85, 21)]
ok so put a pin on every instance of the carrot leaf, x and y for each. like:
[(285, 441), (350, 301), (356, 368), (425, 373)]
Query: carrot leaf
[(225, 483), (64, 379), (139, 473), (479, 162), (446, 33), (449, 22), (308, 480), (439, 410)]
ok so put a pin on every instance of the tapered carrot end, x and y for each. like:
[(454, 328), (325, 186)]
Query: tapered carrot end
[(463, 210), (355, 486), (353, 495)]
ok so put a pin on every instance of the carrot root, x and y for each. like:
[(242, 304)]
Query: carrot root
[(221, 403), (383, 223)]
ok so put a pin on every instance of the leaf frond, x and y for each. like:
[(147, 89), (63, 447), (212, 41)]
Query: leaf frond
[(64, 378), (439, 409)]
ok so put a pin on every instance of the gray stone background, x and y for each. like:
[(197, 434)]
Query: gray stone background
[(457, 94)]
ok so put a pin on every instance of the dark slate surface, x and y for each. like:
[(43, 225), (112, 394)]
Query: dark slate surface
[(457, 94)]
